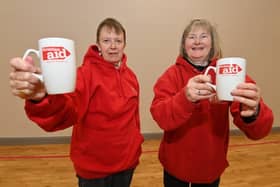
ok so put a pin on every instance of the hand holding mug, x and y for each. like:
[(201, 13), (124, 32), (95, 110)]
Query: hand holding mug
[(58, 65), (248, 94), (22, 82), (197, 88)]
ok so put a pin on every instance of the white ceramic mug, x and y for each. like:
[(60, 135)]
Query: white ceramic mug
[(230, 72), (58, 64)]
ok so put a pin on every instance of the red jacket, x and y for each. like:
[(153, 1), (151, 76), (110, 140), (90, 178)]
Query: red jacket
[(196, 135), (104, 112)]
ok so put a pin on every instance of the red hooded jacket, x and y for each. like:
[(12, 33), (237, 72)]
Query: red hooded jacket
[(104, 113), (196, 135)]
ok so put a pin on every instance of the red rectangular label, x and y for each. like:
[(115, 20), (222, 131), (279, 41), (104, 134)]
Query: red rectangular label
[(229, 69), (55, 53)]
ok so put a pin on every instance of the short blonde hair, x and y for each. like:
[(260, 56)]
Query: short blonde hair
[(215, 51)]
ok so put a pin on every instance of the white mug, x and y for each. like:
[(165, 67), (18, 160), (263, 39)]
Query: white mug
[(230, 72), (58, 64)]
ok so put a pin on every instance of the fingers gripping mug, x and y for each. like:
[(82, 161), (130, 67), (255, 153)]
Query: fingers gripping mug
[(230, 72), (58, 64)]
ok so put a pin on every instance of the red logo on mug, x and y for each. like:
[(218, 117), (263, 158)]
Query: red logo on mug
[(229, 69), (55, 53)]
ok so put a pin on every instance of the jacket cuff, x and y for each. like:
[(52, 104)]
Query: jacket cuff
[(252, 118)]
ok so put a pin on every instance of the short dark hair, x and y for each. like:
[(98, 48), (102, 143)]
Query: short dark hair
[(111, 23)]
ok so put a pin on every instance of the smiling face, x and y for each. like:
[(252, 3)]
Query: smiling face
[(197, 45), (111, 44)]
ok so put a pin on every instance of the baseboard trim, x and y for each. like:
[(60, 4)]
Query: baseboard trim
[(67, 139), (35, 140)]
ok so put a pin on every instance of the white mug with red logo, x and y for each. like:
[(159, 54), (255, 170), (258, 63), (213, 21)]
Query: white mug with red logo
[(230, 72), (58, 64)]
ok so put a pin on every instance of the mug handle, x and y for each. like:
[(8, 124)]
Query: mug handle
[(40, 77), (206, 73)]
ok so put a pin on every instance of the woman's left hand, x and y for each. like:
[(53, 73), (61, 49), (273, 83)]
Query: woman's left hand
[(248, 94)]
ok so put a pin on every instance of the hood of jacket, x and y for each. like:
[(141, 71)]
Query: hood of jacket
[(93, 55)]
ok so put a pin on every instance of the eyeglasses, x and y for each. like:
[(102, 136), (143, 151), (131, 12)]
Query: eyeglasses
[(197, 37)]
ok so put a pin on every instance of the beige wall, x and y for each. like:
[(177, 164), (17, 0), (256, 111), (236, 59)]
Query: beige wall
[(248, 28)]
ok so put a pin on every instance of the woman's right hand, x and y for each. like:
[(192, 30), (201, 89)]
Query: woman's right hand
[(198, 89), (23, 83)]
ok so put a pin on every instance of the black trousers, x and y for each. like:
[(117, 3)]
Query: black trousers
[(121, 179), (170, 181)]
